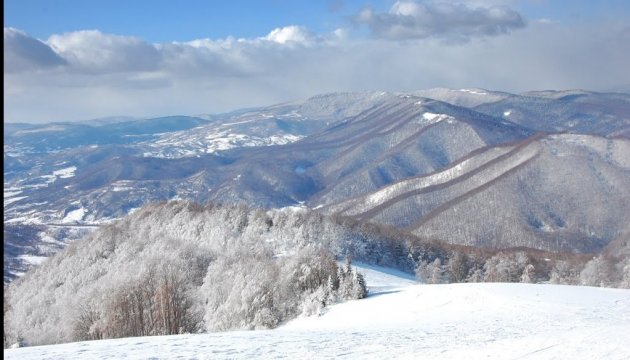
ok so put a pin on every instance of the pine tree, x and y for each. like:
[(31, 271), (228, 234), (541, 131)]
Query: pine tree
[(348, 267), (359, 288), (331, 289)]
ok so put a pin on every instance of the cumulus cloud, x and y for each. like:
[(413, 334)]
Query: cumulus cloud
[(291, 33), (94, 51), (22, 53), (454, 22)]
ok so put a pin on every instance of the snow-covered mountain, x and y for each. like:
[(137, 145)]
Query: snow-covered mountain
[(535, 190), (470, 97), (403, 319), (546, 170), (573, 111)]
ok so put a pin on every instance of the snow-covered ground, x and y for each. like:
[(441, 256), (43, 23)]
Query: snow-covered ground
[(402, 319)]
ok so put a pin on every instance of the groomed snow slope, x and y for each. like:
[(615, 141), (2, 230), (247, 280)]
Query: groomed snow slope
[(401, 319)]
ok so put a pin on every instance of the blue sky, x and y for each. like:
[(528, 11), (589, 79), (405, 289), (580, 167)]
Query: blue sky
[(168, 20), (147, 58)]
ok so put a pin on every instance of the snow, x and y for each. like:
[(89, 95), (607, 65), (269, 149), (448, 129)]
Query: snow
[(403, 319), (180, 144), (294, 209), (74, 216), (45, 238), (122, 185), (8, 201), (396, 189), (431, 118), (65, 173), (8, 194), (32, 259), (59, 174), (50, 128), (472, 91)]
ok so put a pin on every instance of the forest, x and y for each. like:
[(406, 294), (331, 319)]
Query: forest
[(180, 267)]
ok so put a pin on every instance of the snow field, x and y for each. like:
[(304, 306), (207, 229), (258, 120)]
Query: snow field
[(405, 320)]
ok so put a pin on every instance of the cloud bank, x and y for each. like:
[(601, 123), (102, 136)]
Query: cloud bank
[(89, 74), (22, 53)]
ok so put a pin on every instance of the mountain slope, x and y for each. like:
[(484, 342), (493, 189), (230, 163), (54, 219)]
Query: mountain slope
[(402, 320), (405, 136), (574, 111), (560, 193)]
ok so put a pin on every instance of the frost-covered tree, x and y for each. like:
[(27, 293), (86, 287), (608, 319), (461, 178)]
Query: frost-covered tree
[(625, 274), (475, 275), (505, 267), (431, 273), (457, 267), (437, 272), (5, 331), (529, 274), (241, 293), (332, 288), (597, 272), (421, 271), (351, 283), (314, 302), (564, 272), (359, 286), (180, 267)]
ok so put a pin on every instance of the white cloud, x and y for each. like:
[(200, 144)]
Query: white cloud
[(292, 33), (136, 78), (93, 51), (451, 21)]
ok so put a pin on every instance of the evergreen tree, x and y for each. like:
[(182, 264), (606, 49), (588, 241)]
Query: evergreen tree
[(360, 290)]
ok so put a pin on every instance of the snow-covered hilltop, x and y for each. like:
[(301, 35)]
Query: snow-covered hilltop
[(403, 319)]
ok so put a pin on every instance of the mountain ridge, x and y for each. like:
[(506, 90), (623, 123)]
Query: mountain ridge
[(330, 150)]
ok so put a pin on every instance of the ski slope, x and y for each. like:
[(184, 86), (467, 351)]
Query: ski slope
[(405, 320)]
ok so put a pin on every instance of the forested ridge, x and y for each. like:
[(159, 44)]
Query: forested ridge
[(180, 267)]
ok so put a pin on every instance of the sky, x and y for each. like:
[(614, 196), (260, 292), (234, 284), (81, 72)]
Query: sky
[(73, 60)]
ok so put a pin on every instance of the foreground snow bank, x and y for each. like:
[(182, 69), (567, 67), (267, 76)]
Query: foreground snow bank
[(402, 319)]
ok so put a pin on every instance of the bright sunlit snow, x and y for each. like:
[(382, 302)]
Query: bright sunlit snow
[(402, 319), (74, 216), (473, 91), (431, 118), (66, 172), (32, 259)]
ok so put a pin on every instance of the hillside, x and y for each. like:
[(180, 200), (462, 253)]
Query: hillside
[(534, 190), (403, 320), (220, 268)]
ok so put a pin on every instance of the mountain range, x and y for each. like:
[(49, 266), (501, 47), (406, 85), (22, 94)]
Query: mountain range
[(547, 170)]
